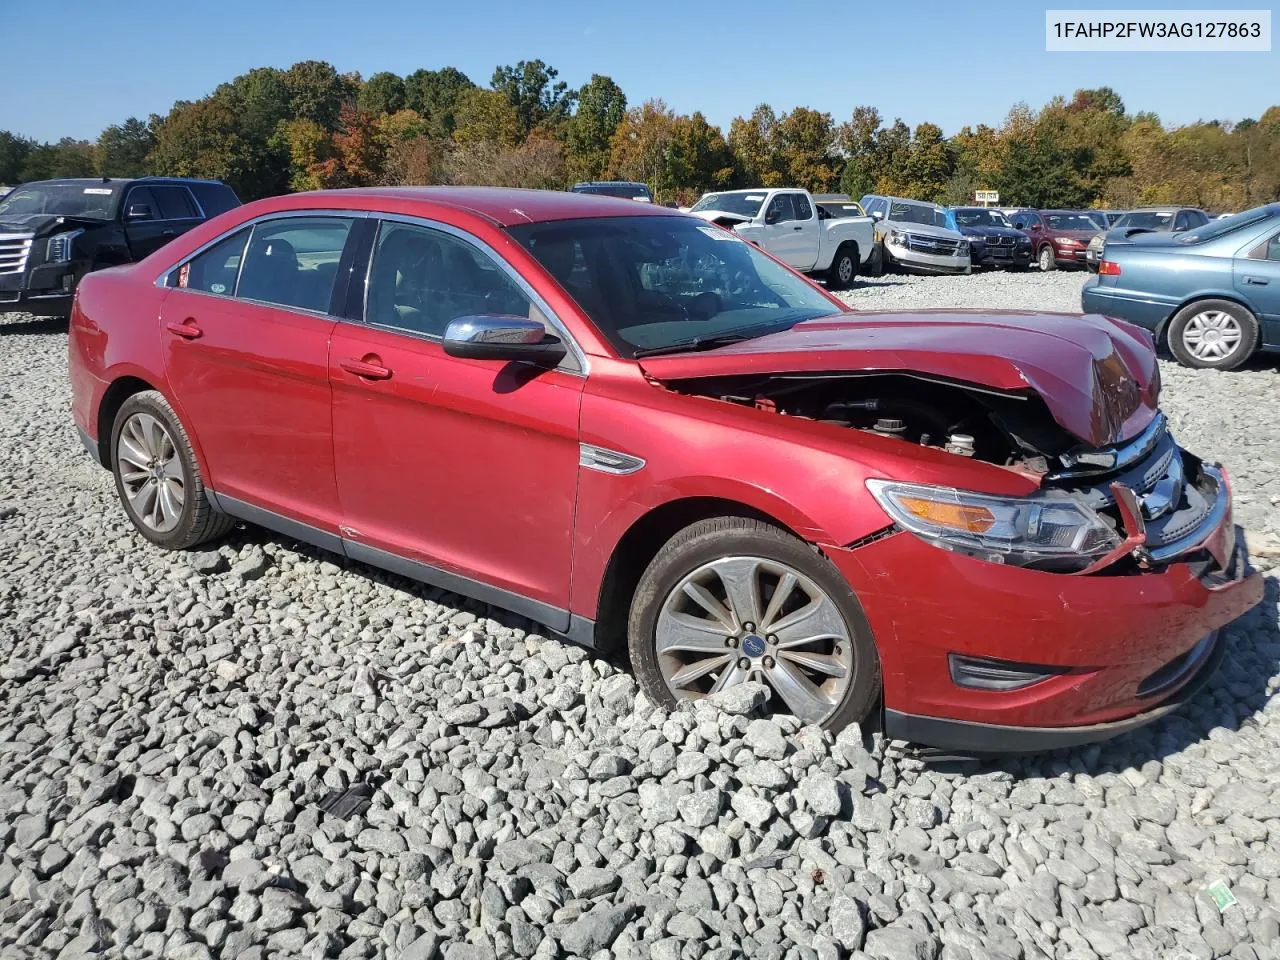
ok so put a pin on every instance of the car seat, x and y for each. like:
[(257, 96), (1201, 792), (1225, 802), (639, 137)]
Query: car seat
[(270, 272)]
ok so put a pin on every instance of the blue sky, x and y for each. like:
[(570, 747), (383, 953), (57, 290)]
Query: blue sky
[(953, 63)]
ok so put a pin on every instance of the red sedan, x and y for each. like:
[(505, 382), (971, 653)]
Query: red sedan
[(637, 429)]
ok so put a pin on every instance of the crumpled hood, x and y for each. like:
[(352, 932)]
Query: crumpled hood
[(1097, 376), (42, 224), (721, 216), (924, 230)]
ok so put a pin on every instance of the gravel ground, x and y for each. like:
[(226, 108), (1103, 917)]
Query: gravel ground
[(168, 723)]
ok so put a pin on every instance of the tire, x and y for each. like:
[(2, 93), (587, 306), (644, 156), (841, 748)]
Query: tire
[(148, 437), (1200, 330), (1046, 259), (844, 267), (875, 266), (697, 556)]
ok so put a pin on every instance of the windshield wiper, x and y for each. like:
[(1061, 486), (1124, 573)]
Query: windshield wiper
[(692, 344)]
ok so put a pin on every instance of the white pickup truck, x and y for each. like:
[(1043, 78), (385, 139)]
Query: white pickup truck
[(791, 226)]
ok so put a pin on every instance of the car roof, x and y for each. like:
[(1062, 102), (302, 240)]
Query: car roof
[(611, 183), (1164, 209), (506, 206), (122, 181)]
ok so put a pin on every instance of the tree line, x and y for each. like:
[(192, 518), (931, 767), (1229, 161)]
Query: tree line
[(270, 131)]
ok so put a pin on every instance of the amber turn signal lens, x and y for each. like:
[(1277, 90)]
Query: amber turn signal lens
[(1109, 268), (954, 515)]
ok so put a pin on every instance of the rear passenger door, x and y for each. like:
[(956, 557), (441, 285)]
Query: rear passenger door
[(178, 210), (808, 230), (144, 228), (246, 334)]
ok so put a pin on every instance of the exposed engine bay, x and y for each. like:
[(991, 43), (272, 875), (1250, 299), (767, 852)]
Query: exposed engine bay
[(1155, 495)]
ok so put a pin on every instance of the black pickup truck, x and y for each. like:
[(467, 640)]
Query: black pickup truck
[(53, 232)]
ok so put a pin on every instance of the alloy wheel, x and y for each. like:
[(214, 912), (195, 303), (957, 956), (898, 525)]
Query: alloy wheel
[(1212, 335), (1046, 259), (151, 472), (845, 269), (749, 618)]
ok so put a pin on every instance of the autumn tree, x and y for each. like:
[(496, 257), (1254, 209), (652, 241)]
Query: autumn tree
[(805, 146), (382, 93), (357, 153), (754, 142), (14, 151), (485, 116), (705, 160), (199, 140), (601, 107), (433, 95), (538, 98), (641, 147), (318, 92), (122, 149)]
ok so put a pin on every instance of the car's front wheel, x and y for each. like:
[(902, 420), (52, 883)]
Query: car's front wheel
[(158, 478), (732, 599), (1213, 334), (1047, 260)]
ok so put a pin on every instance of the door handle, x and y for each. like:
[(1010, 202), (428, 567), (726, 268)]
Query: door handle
[(168, 233), (187, 329), (797, 228), (369, 368), (1256, 281)]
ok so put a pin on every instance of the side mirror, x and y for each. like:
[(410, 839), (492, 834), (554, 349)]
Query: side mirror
[(499, 337), (771, 216), (139, 211), (878, 215)]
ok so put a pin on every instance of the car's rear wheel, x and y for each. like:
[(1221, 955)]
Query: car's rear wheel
[(731, 599), (1213, 334), (844, 267), (1047, 260), (158, 478)]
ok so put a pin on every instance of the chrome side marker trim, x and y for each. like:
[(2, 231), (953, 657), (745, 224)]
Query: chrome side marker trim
[(608, 461)]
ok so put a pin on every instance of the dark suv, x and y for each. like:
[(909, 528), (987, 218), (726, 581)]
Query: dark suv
[(53, 232), (992, 240), (625, 189)]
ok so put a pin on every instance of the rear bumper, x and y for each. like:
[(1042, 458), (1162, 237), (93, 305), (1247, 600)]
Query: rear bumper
[(1116, 302)]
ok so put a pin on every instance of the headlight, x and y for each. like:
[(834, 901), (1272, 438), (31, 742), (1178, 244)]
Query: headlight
[(1024, 241), (58, 249), (963, 248), (1095, 243), (1066, 242), (1041, 531), (897, 236)]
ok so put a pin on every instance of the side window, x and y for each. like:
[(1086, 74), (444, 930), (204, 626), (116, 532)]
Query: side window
[(422, 279), (780, 209), (294, 262), (1181, 221), (140, 205), (804, 210), (175, 203), (1268, 249), (215, 270), (1197, 218)]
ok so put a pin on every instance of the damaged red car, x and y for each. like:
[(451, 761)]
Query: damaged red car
[(642, 432)]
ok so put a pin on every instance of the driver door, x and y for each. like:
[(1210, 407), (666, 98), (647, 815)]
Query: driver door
[(784, 237), (453, 471)]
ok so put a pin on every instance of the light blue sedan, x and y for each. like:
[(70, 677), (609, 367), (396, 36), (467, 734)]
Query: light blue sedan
[(1213, 294)]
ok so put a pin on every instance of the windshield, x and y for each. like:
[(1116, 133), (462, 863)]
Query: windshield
[(745, 203), (903, 212), (1218, 228), (1070, 221), (61, 199), (627, 191), (654, 282), (976, 217), (1147, 220)]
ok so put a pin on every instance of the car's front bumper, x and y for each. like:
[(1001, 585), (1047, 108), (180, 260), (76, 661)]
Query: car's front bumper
[(1116, 638), (1070, 257), (926, 262), (43, 303), (982, 255)]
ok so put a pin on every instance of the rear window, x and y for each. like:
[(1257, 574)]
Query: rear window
[(1218, 228), (1153, 220), (175, 203), (625, 191), (215, 198)]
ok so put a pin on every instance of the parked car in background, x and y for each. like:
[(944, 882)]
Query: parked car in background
[(790, 226), (53, 232), (1111, 216), (837, 206), (1145, 220), (1059, 238), (1211, 294), (993, 242), (624, 189), (722, 469), (913, 235)]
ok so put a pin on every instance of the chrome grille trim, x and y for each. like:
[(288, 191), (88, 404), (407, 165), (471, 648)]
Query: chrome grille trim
[(15, 248)]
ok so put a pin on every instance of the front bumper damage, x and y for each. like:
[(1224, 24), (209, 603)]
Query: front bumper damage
[(1124, 643)]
